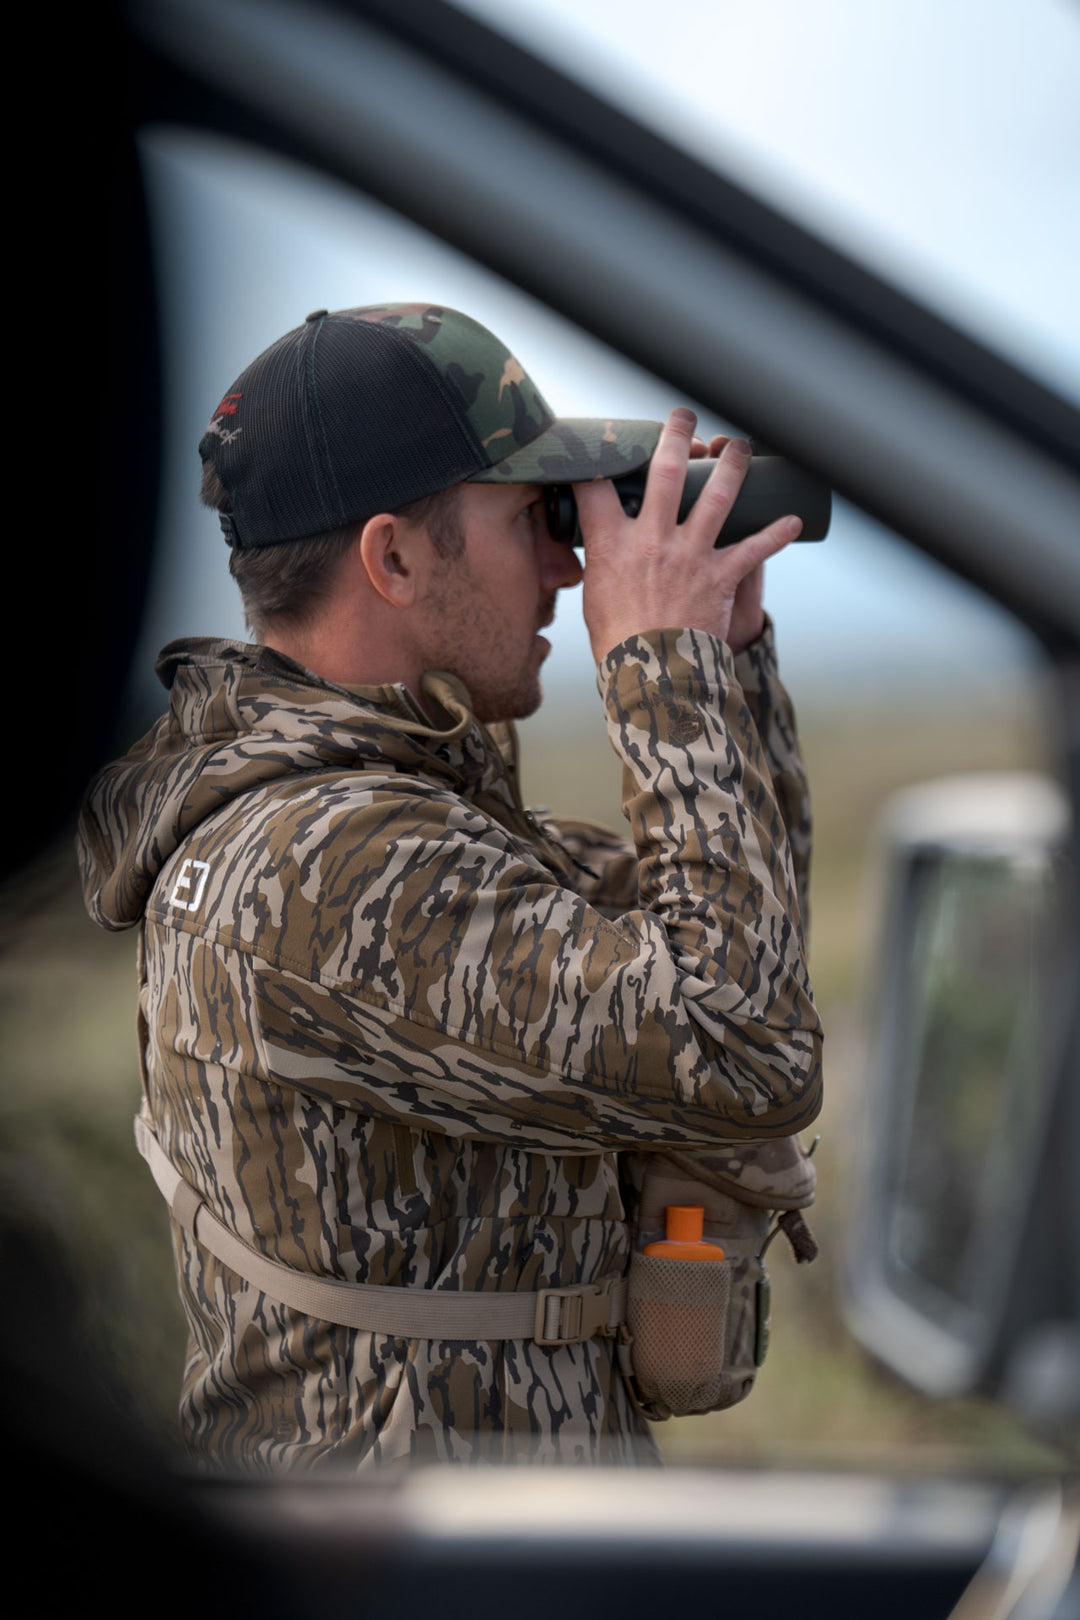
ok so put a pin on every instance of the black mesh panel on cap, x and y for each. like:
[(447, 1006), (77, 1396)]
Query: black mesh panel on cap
[(335, 426)]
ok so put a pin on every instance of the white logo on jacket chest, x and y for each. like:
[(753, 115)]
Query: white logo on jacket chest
[(190, 885)]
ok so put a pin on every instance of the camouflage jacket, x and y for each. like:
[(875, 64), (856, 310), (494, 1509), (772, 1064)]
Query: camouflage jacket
[(397, 1030)]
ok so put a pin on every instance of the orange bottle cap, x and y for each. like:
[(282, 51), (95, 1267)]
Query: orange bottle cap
[(685, 1223)]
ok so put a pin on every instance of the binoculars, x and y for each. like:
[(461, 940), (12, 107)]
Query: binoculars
[(771, 489)]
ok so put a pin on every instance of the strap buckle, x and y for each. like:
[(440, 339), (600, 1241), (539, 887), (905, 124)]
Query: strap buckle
[(573, 1315)]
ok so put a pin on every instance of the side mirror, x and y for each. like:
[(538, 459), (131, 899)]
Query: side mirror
[(960, 1094)]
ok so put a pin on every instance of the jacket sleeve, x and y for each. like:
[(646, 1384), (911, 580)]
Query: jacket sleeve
[(423, 965), (774, 716), (607, 862)]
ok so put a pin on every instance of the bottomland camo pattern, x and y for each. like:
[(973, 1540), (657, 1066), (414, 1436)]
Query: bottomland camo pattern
[(394, 1029)]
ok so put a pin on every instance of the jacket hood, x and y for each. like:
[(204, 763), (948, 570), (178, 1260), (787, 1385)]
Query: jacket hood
[(241, 716)]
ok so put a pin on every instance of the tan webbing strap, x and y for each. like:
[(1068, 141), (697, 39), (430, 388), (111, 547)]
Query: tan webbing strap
[(550, 1316)]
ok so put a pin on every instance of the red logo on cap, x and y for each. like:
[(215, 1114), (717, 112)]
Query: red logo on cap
[(229, 405)]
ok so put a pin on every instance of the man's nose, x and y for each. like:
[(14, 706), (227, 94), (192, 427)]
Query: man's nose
[(559, 565)]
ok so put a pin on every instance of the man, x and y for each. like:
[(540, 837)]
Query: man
[(396, 1032)]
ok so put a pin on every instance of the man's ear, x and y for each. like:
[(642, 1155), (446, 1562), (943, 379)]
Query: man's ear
[(394, 553)]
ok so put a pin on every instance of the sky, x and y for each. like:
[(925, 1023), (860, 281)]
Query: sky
[(937, 140)]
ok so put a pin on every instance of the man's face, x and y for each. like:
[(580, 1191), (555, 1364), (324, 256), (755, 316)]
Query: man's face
[(486, 608)]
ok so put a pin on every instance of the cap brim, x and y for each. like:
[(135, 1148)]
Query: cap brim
[(574, 451)]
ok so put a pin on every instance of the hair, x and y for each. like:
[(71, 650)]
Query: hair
[(285, 584)]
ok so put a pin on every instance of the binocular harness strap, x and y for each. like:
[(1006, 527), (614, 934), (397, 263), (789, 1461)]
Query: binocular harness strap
[(549, 1316)]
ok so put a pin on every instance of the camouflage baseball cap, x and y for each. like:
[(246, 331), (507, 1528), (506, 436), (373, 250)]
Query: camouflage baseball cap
[(360, 411)]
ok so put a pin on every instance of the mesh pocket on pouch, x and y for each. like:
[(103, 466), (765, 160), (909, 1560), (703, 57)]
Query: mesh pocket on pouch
[(677, 1312)]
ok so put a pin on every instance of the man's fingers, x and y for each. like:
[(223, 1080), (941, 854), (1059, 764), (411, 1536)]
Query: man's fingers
[(740, 560), (699, 449), (709, 511), (599, 509), (653, 571), (667, 470)]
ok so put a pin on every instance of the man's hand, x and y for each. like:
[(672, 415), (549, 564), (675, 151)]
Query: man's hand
[(653, 573), (748, 613)]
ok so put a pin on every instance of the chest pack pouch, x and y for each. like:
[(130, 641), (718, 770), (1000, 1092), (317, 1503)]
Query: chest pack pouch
[(697, 1331), (690, 1336)]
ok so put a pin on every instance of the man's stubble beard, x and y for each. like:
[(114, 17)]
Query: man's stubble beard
[(468, 640)]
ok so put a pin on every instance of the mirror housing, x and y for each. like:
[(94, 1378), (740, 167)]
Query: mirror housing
[(949, 1280)]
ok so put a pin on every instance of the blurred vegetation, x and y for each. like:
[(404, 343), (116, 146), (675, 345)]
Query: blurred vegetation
[(68, 1160)]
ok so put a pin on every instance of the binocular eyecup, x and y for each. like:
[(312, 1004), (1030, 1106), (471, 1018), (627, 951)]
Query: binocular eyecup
[(771, 489)]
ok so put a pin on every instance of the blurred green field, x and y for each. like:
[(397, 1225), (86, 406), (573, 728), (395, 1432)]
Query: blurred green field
[(68, 1160)]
